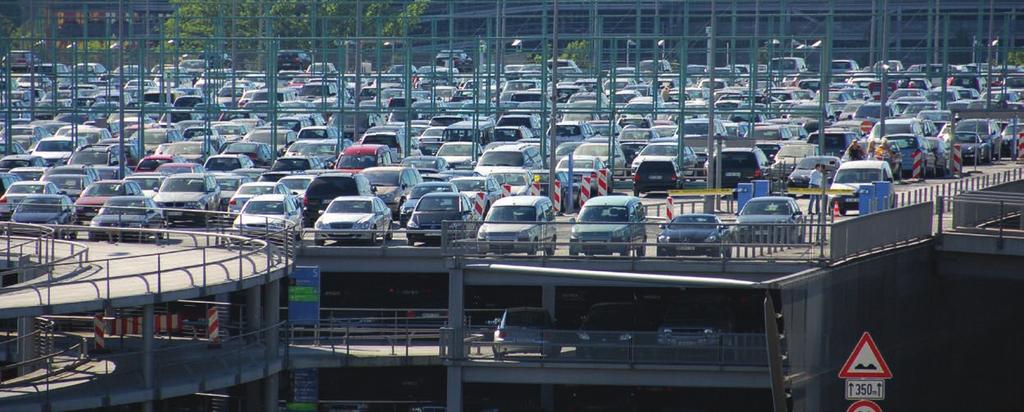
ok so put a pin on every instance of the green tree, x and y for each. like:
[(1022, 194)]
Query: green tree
[(1015, 58), (578, 51)]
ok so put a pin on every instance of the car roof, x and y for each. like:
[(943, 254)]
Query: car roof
[(363, 149), (614, 200), (29, 182), (863, 164), (786, 199), (187, 175), (520, 201), (364, 198), (259, 184), (441, 194), (277, 197)]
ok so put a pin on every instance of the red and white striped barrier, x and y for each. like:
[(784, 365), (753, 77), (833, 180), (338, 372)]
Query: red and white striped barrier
[(556, 196), (958, 167), (1020, 150), (478, 204), (585, 190), (670, 208), (99, 327), (918, 172), (213, 326), (535, 188), (506, 190), (133, 325), (602, 182)]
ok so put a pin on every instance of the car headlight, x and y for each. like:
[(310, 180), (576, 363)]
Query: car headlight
[(583, 335), (663, 239), (361, 225), (523, 236), (319, 225), (412, 224), (711, 238), (481, 236), (193, 205)]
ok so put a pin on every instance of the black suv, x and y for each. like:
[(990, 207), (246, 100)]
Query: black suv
[(657, 175), (324, 188), (740, 165), (459, 58), (293, 60)]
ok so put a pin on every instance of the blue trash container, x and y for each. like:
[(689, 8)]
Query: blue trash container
[(761, 188), (883, 195), (744, 192), (866, 199)]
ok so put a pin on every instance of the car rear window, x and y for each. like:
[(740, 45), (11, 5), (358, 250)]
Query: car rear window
[(655, 167), (737, 160), (332, 186), (526, 318)]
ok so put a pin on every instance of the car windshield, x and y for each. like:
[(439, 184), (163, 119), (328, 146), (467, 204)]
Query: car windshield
[(241, 148), (105, 189), (420, 163), (147, 183), (514, 179), (576, 164), (290, 164), (419, 191), (907, 142), (506, 135), (857, 175), (734, 160), (67, 182), (89, 157), (512, 214), (12, 163), (660, 150), (469, 185), (152, 164), (795, 151), (526, 318), (592, 150), (124, 207), (315, 149), (223, 163), (183, 184), (966, 138), (565, 148), (55, 146), (229, 184), (183, 149), (604, 214), (229, 129), (357, 161), (694, 221), (350, 206), (255, 190), (635, 134), (455, 150), (39, 205), (502, 158), (264, 207), (35, 189), (766, 208), (438, 204), (384, 139), (382, 177), (295, 184)]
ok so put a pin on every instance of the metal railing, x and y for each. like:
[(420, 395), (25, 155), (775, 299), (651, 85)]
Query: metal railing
[(52, 361), (854, 237), (992, 213), (214, 257), (720, 241), (572, 346)]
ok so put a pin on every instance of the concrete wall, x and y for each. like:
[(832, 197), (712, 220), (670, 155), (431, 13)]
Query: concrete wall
[(946, 323)]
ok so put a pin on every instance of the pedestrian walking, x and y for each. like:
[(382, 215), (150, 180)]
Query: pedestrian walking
[(817, 179)]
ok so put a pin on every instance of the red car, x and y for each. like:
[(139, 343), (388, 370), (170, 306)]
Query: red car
[(361, 156), (152, 162), (180, 167), (94, 196)]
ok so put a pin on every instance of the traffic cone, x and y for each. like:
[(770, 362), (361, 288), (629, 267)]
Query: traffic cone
[(835, 210)]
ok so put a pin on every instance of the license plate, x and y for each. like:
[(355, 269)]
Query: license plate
[(175, 213), (732, 174), (655, 177), (685, 248), (851, 200)]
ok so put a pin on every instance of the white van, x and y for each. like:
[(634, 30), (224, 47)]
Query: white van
[(526, 226), (853, 175)]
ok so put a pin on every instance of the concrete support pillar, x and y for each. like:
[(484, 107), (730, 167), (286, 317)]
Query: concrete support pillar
[(547, 398), (253, 309), (271, 316), (26, 347), (148, 373), (454, 389), (270, 388), (456, 314), (547, 299)]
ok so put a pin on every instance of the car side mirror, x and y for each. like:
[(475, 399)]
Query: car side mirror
[(373, 189)]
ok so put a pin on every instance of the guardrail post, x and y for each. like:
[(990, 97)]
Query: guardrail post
[(159, 274), (1002, 215)]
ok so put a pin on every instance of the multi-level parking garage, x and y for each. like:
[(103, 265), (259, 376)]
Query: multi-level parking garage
[(228, 280)]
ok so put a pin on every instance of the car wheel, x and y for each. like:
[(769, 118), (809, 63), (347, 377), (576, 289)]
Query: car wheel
[(842, 210), (389, 235), (410, 242), (318, 242)]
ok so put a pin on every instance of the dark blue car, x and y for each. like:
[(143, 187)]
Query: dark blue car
[(694, 235)]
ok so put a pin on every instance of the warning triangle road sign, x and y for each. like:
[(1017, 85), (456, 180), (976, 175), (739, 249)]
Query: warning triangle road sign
[(865, 361)]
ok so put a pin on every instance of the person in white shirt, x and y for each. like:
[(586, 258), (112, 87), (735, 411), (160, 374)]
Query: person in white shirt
[(816, 180)]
